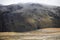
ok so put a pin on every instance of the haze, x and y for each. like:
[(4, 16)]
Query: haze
[(49, 2)]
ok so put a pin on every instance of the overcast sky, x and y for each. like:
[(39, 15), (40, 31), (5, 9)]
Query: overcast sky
[(49, 2)]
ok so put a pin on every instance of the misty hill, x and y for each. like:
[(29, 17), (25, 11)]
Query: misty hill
[(28, 17)]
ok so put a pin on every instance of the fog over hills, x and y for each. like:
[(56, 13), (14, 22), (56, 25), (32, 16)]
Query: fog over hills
[(28, 17)]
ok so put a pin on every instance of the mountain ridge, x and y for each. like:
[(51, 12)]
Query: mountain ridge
[(28, 17)]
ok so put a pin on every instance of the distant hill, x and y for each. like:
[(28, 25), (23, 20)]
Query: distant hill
[(28, 17)]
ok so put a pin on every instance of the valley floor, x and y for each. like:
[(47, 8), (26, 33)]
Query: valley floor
[(41, 34)]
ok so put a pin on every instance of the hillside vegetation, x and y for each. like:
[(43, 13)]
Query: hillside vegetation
[(28, 17)]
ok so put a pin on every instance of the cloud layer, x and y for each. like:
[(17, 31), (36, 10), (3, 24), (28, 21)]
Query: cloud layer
[(49, 2)]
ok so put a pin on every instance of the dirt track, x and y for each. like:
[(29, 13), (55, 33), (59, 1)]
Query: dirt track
[(42, 34)]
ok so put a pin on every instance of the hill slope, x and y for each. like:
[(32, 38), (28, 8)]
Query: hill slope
[(28, 17)]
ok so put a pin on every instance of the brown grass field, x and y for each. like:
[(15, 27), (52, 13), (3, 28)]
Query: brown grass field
[(41, 34)]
